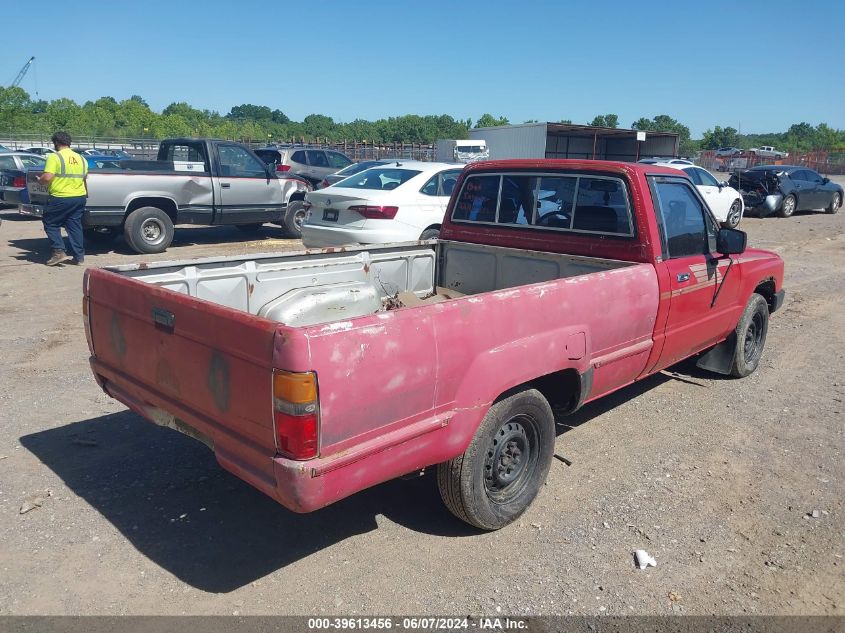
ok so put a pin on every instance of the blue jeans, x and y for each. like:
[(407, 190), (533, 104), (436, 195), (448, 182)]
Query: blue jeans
[(67, 213)]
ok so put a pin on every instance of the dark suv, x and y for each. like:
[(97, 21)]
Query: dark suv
[(311, 164)]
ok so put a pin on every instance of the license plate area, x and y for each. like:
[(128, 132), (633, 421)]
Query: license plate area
[(330, 215), (37, 188)]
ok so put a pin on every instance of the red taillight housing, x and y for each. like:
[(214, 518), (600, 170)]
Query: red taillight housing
[(282, 167), (19, 181), (296, 415), (376, 213)]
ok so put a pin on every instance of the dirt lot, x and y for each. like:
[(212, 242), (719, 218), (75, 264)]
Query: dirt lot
[(717, 478)]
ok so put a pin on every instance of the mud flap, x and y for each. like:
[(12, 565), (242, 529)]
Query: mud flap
[(720, 358)]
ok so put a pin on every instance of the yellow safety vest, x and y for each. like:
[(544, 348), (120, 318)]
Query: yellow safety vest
[(69, 170)]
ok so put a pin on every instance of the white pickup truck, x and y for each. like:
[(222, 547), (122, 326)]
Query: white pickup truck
[(194, 181), (767, 151)]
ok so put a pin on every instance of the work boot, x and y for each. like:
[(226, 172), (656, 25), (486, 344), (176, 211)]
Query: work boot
[(57, 257), (77, 261)]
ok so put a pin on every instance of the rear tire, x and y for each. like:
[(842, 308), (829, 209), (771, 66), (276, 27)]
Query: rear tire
[(430, 234), (148, 230), (500, 473), (787, 208), (750, 337), (835, 203), (294, 217)]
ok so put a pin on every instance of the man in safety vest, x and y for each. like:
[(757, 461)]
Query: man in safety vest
[(64, 176)]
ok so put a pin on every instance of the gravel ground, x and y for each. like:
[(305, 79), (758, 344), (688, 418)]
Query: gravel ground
[(734, 486)]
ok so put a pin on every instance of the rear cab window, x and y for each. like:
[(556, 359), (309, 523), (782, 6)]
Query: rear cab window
[(185, 152), (571, 202)]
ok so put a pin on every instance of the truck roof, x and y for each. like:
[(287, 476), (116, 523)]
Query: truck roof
[(569, 163)]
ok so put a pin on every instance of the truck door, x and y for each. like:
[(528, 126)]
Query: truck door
[(695, 272), (248, 193)]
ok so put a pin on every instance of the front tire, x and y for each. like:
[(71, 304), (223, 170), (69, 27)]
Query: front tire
[(750, 337), (500, 473), (788, 206), (148, 230), (835, 203), (734, 215)]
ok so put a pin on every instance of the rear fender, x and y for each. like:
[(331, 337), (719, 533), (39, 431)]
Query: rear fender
[(519, 362)]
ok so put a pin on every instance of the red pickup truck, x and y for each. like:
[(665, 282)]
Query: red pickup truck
[(314, 375)]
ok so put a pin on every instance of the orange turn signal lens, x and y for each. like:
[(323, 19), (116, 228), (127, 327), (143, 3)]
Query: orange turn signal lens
[(296, 388)]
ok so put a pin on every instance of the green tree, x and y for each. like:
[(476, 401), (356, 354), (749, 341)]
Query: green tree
[(250, 112), (139, 99), (720, 137), (665, 123), (606, 120), (488, 120), (318, 125)]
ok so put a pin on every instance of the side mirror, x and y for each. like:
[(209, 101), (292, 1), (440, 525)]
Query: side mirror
[(731, 241), (825, 181)]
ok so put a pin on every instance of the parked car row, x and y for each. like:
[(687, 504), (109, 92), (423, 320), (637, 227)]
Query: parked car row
[(785, 189)]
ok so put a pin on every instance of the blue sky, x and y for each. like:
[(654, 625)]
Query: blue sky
[(759, 65)]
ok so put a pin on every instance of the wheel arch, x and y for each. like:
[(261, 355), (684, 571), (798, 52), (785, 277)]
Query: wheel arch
[(565, 389), (168, 205), (767, 288)]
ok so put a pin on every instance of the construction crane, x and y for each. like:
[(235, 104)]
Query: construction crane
[(23, 72)]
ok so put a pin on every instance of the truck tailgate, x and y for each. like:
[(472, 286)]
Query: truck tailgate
[(188, 364)]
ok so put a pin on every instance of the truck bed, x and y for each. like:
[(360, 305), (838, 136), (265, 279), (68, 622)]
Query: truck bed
[(398, 390), (309, 288)]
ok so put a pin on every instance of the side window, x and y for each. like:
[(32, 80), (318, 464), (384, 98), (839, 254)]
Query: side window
[(447, 181), (707, 179), (337, 160), (237, 162), (684, 224), (299, 157), (800, 174), (602, 207), (478, 199), (430, 188), (694, 176), (317, 158), (812, 176)]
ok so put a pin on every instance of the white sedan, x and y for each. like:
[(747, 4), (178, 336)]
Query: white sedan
[(725, 202), (397, 202)]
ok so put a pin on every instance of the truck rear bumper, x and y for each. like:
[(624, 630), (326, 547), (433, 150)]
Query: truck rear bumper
[(303, 486)]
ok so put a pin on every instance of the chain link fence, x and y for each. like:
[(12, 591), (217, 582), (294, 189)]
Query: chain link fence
[(827, 163)]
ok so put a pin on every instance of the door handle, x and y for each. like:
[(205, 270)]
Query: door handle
[(683, 277), (225, 185)]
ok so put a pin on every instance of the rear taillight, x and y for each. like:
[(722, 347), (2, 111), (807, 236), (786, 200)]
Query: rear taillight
[(295, 413), (19, 181), (376, 213), (282, 167)]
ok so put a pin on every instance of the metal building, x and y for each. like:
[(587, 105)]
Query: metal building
[(563, 140)]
